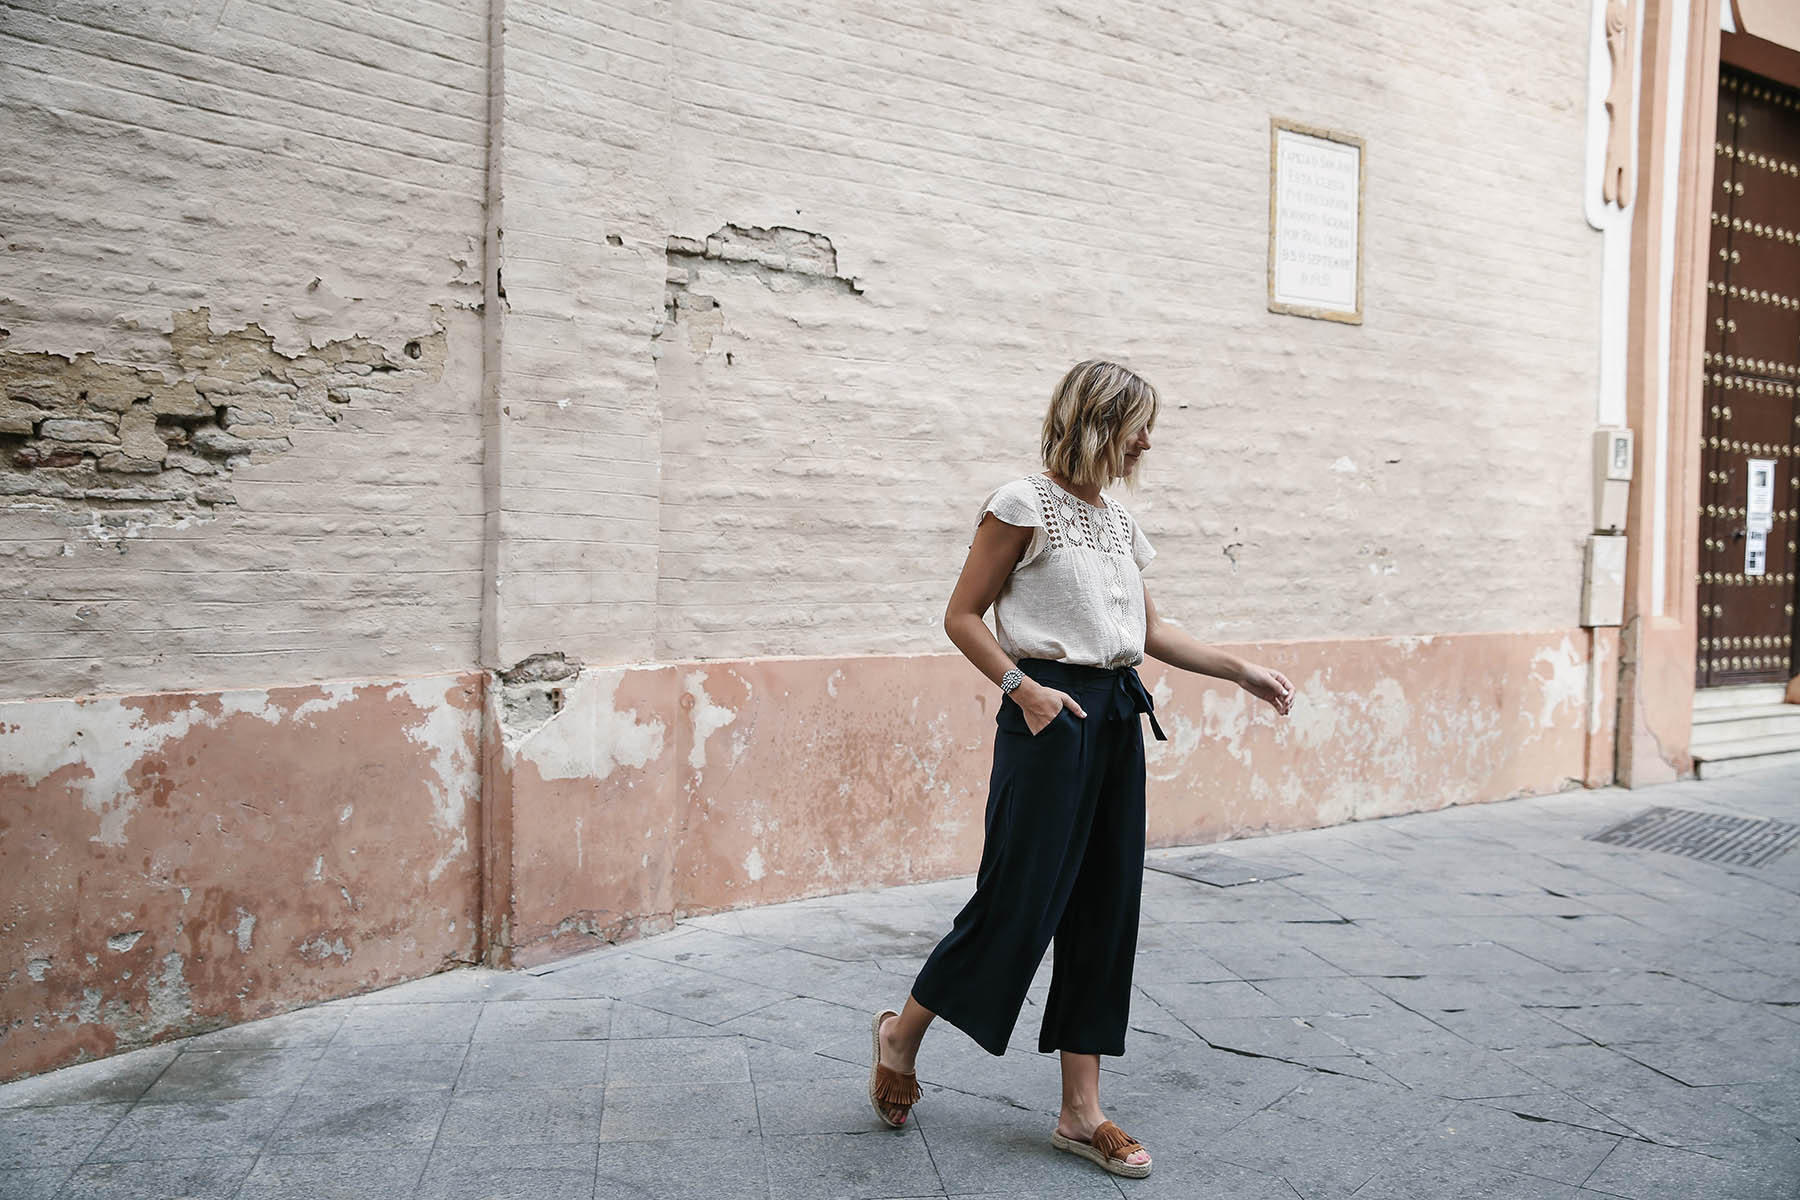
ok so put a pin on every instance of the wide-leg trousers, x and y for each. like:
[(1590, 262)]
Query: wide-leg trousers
[(1063, 859)]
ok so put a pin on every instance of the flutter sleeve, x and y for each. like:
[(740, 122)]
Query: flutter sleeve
[(1017, 504), (1141, 549)]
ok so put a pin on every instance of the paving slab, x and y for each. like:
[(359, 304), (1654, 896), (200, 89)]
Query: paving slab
[(1637, 1168), (533, 1065), (33, 1183), (565, 1020), (192, 1129), (652, 1112), (1474, 1002), (326, 1124), (640, 1061), (408, 1024), (187, 1178), (54, 1135), (681, 1169), (514, 1172), (302, 1027), (980, 1145), (378, 1175), (840, 1166), (352, 1069), (202, 1073), (119, 1079), (530, 1117)]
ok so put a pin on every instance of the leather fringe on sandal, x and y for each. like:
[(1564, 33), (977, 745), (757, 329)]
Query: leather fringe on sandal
[(1110, 1148), (889, 1088)]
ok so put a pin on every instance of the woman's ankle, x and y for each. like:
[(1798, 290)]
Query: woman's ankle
[(894, 1038)]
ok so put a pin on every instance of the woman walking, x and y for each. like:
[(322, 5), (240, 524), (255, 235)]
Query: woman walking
[(1063, 858)]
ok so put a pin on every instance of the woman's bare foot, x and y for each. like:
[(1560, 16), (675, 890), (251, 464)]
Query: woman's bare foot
[(1081, 1113), (899, 1056)]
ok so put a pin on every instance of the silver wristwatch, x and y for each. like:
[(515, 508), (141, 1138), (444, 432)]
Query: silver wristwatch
[(1012, 679)]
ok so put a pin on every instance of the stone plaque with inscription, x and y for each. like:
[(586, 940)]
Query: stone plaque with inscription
[(1315, 222)]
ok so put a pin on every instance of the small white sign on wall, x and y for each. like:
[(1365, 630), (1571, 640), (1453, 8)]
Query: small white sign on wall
[(1756, 552), (1315, 222), (1759, 504), (1759, 514)]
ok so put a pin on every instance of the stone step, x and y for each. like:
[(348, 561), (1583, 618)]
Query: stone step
[(1717, 749), (1734, 724), (1747, 696), (1719, 768)]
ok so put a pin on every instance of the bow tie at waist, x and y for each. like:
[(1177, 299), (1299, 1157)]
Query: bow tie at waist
[(1115, 693)]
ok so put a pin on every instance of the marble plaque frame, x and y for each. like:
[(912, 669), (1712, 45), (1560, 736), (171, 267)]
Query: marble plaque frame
[(1277, 125)]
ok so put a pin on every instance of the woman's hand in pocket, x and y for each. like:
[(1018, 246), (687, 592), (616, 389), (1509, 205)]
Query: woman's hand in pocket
[(1040, 704)]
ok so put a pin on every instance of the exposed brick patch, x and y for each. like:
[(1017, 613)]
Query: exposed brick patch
[(115, 446), (783, 258), (531, 691)]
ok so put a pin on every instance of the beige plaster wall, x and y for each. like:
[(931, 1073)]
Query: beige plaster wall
[(805, 276), (577, 198), (1006, 190), (240, 341), (922, 216)]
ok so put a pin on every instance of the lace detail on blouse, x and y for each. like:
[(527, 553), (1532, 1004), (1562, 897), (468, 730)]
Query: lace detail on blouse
[(1075, 595), (1072, 521)]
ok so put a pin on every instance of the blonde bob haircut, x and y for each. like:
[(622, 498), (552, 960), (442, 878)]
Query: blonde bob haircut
[(1094, 414)]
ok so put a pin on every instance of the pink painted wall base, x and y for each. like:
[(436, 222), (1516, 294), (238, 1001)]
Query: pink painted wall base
[(171, 863)]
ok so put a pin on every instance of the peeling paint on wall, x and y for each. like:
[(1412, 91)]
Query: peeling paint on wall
[(443, 730), (1563, 670), (192, 826), (172, 862), (115, 448), (782, 258), (590, 736), (833, 787), (708, 718), (531, 692)]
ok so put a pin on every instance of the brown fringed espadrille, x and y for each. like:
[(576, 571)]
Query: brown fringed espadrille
[(1110, 1148), (889, 1088)]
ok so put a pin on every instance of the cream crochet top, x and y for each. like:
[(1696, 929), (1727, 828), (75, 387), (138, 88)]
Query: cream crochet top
[(1076, 595)]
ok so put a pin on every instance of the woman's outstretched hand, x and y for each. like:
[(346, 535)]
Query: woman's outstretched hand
[(1267, 684), (1040, 705)]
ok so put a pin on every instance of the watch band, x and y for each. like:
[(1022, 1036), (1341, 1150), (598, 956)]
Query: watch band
[(1012, 679)]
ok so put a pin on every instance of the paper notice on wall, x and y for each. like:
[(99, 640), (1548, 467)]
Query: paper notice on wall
[(1760, 479), (1759, 515)]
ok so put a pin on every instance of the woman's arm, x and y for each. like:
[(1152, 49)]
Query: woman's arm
[(992, 556), (1178, 648)]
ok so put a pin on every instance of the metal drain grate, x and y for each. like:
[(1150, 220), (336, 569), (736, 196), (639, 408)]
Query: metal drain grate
[(1711, 837)]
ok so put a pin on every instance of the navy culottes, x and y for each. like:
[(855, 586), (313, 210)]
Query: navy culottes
[(1063, 859)]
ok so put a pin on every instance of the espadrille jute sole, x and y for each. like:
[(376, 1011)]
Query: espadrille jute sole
[(1117, 1166)]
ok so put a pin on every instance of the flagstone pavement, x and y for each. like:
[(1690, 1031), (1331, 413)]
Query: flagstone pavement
[(1475, 1002)]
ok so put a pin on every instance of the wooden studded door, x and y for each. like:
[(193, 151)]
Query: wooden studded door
[(1750, 477)]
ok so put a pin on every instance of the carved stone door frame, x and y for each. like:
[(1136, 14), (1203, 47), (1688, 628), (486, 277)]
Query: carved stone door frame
[(1670, 240), (1670, 246)]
